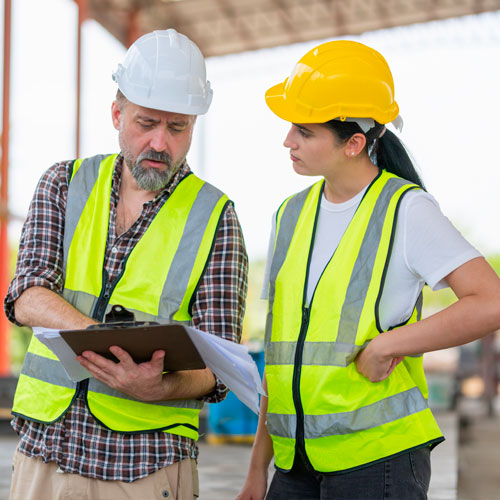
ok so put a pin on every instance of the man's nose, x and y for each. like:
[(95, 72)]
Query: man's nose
[(159, 139)]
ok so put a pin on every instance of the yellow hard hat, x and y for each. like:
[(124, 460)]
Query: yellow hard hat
[(337, 79)]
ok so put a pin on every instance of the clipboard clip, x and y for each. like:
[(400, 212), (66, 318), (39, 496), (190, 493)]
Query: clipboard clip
[(119, 317)]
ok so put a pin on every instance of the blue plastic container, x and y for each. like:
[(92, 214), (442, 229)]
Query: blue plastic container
[(231, 418)]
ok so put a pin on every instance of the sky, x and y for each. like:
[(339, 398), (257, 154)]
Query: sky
[(446, 77)]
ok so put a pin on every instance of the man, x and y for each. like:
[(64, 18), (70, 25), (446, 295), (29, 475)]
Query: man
[(140, 230)]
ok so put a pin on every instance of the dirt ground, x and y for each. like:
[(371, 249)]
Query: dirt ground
[(479, 458)]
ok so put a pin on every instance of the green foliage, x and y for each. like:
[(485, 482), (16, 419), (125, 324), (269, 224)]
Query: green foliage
[(494, 261), (19, 340), (255, 315), (435, 301)]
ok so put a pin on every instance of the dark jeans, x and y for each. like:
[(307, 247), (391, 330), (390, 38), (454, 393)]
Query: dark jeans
[(405, 477)]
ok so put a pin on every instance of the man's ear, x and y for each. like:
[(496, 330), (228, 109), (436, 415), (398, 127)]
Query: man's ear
[(116, 115)]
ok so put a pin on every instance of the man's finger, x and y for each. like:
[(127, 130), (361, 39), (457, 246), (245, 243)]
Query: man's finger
[(97, 360), (157, 360), (122, 355), (96, 372)]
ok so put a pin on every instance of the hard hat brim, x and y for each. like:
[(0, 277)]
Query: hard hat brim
[(172, 107), (276, 100), (296, 112)]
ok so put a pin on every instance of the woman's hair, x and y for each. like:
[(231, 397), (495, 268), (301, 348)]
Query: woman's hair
[(387, 152)]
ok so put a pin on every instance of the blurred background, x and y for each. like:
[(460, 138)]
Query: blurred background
[(58, 56)]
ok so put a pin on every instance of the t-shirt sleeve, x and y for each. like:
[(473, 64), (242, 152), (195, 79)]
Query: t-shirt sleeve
[(433, 246)]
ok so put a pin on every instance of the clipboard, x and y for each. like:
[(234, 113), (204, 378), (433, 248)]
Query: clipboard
[(140, 342)]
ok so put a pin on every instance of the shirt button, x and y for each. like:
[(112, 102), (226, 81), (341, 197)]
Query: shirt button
[(114, 250)]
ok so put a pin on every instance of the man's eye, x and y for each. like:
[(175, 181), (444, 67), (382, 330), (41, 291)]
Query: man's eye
[(145, 125), (303, 133)]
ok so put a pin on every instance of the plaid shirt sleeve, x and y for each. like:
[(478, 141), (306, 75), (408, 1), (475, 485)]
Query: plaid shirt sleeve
[(219, 306), (39, 261)]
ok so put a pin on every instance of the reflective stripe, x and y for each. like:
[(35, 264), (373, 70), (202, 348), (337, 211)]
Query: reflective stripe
[(419, 305), (314, 353), (363, 267), (285, 234), (78, 192), (82, 301), (46, 370), (281, 425), (177, 281), (85, 302), (52, 372), (316, 426), (100, 388)]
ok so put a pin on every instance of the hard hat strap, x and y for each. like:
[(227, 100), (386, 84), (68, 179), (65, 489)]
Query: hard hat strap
[(366, 124)]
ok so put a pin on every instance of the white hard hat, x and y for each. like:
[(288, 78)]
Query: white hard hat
[(165, 70)]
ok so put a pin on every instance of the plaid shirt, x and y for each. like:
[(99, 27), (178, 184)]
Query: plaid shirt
[(77, 442)]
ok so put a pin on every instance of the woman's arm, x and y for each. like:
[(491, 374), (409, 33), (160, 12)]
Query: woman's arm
[(255, 486), (474, 315)]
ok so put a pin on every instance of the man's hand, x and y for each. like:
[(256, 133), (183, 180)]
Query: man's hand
[(142, 381), (373, 363)]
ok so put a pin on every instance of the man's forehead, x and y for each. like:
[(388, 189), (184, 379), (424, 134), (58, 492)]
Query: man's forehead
[(158, 115)]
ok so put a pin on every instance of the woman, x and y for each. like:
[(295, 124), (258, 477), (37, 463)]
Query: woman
[(347, 416)]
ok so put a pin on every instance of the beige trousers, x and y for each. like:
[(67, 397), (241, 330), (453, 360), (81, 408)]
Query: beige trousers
[(33, 479)]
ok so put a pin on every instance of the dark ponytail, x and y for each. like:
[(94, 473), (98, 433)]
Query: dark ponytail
[(390, 154), (387, 152)]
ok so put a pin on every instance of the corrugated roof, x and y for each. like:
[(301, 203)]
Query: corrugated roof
[(228, 26)]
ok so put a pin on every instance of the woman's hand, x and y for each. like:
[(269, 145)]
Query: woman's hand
[(372, 363), (475, 314), (255, 486)]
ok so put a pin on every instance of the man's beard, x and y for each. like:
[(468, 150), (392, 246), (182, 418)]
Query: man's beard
[(150, 178)]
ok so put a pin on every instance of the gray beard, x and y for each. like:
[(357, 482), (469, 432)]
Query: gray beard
[(153, 179)]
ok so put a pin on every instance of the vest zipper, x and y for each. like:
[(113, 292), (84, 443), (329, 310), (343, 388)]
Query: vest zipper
[(97, 313), (103, 299), (299, 435), (300, 448)]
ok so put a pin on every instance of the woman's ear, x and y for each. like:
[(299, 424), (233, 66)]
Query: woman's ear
[(355, 145)]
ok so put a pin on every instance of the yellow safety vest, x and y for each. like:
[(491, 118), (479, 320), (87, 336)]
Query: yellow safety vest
[(159, 281), (318, 402)]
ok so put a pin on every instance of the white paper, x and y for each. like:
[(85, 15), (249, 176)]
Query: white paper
[(232, 363), (63, 351)]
